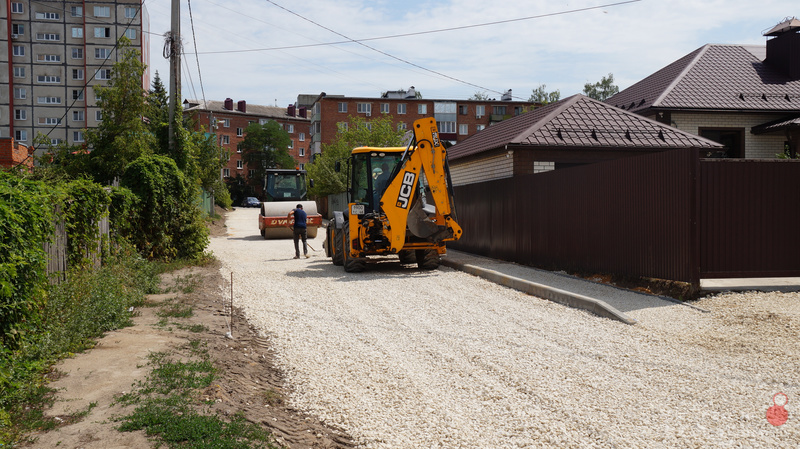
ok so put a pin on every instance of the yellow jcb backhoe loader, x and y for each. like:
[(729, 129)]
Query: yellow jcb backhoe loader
[(400, 202)]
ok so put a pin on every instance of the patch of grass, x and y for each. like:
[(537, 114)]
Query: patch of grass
[(176, 311), (167, 409), (272, 397), (195, 328)]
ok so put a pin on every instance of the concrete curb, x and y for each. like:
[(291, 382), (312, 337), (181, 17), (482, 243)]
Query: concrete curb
[(575, 300)]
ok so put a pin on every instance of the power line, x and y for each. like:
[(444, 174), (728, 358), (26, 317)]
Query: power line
[(196, 56)]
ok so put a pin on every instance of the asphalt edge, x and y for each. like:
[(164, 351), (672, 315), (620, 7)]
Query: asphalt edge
[(596, 306)]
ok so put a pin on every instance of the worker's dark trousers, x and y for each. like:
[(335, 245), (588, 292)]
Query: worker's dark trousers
[(300, 233)]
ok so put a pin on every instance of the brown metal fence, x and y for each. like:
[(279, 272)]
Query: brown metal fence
[(659, 215)]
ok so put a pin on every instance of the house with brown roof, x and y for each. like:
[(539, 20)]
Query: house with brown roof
[(577, 130), (746, 97), (15, 154)]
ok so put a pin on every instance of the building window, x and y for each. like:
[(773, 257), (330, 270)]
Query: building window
[(342, 126), (19, 72), (102, 53), (130, 33), (384, 108), (422, 109), (462, 109), (78, 116), (20, 114), (226, 140), (130, 13), (226, 172), (48, 37), (20, 93), (17, 29), (226, 122), (342, 107), (262, 121), (17, 8), (76, 11), (55, 142), (77, 74), (480, 127), (21, 135), (103, 74), (102, 32), (49, 79), (102, 11), (48, 58), (290, 129), (364, 108), (48, 15), (19, 50), (401, 108), (49, 121), (77, 136), (291, 144), (98, 115), (77, 94), (518, 110), (77, 32), (77, 53), (48, 100), (239, 164), (480, 111), (301, 151), (446, 127), (301, 137), (463, 129), (239, 132), (499, 110), (402, 126)]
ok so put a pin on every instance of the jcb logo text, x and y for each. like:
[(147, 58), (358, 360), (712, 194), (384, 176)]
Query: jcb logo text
[(406, 189)]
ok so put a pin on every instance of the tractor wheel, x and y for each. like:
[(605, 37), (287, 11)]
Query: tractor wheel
[(336, 246), (428, 259), (351, 264), (407, 257)]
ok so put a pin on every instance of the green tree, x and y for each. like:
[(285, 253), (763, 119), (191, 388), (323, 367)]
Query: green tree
[(158, 113), (541, 95), (264, 146), (480, 96), (602, 89), (379, 132), (122, 136)]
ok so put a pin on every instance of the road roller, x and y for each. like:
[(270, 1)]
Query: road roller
[(284, 190)]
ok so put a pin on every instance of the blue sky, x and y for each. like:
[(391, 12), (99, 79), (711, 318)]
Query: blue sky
[(238, 40)]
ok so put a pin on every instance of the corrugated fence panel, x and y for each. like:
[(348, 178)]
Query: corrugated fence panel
[(749, 218), (630, 216)]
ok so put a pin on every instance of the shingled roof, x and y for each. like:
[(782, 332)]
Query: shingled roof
[(252, 109), (579, 122), (715, 78)]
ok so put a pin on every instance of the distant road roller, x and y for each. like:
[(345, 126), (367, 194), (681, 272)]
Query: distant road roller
[(285, 189)]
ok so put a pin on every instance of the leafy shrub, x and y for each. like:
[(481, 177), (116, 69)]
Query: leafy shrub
[(169, 223)]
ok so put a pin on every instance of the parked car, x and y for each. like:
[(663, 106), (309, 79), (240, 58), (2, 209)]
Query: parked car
[(251, 201)]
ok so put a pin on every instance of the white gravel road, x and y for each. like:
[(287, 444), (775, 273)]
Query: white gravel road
[(401, 358)]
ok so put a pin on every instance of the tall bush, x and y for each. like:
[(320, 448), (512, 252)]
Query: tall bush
[(169, 223)]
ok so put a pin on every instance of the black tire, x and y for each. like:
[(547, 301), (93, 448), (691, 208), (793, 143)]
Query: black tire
[(264, 233), (336, 247), (351, 264), (407, 256), (428, 259)]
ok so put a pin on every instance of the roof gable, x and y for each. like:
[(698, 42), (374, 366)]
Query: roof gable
[(579, 121), (715, 77)]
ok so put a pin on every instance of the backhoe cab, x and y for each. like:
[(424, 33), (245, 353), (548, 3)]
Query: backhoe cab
[(400, 202)]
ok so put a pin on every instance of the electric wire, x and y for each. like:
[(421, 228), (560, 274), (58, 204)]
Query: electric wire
[(196, 56)]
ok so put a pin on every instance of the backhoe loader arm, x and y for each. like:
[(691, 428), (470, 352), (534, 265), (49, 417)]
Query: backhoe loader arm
[(429, 156)]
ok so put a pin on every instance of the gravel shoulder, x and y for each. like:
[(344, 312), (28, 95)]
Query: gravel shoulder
[(402, 358)]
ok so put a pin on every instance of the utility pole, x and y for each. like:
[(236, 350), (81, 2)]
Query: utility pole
[(174, 42)]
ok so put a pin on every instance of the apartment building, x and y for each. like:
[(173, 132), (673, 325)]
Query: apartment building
[(457, 119), (55, 52), (228, 120)]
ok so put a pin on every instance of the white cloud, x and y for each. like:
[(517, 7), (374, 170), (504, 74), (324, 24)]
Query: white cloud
[(562, 51)]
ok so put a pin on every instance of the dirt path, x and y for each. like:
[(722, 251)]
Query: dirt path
[(248, 382)]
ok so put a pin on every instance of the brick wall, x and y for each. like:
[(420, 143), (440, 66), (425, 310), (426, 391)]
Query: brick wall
[(755, 146), (12, 153)]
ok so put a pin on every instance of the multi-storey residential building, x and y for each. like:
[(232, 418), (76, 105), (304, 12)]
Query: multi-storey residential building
[(456, 119), (229, 121), (56, 51)]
